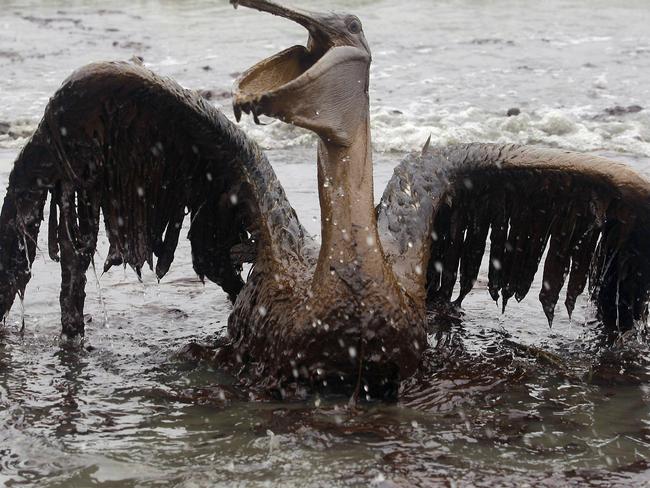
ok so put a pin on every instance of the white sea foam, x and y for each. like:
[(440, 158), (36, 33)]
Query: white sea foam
[(14, 135), (577, 129)]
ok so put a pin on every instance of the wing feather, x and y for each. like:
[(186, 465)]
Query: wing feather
[(146, 152), (589, 216)]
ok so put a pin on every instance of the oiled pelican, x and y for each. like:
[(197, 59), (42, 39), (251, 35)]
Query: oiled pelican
[(119, 140)]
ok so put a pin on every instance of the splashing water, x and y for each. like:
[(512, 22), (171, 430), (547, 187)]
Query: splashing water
[(100, 295)]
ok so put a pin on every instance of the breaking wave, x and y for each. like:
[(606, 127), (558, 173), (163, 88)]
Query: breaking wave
[(400, 130)]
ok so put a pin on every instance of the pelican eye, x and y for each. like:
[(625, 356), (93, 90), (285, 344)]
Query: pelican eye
[(354, 25)]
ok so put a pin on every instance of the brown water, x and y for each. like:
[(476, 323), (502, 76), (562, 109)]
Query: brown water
[(123, 409), (501, 401)]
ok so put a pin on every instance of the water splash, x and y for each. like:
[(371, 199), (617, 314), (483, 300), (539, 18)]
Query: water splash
[(102, 303)]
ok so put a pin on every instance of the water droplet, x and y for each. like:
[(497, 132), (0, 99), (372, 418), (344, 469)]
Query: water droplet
[(233, 199), (438, 266), (370, 240), (64, 131), (208, 176), (496, 264), (418, 269), (262, 311), (140, 191), (352, 351)]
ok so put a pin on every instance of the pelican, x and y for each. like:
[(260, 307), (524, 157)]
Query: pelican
[(121, 141)]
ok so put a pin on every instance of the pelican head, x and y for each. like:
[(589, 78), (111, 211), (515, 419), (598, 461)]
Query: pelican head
[(322, 86)]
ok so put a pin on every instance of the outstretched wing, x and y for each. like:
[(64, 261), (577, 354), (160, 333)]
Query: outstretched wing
[(118, 139), (590, 215)]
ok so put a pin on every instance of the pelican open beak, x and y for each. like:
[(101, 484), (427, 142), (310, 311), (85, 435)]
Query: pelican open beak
[(297, 82), (315, 23)]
